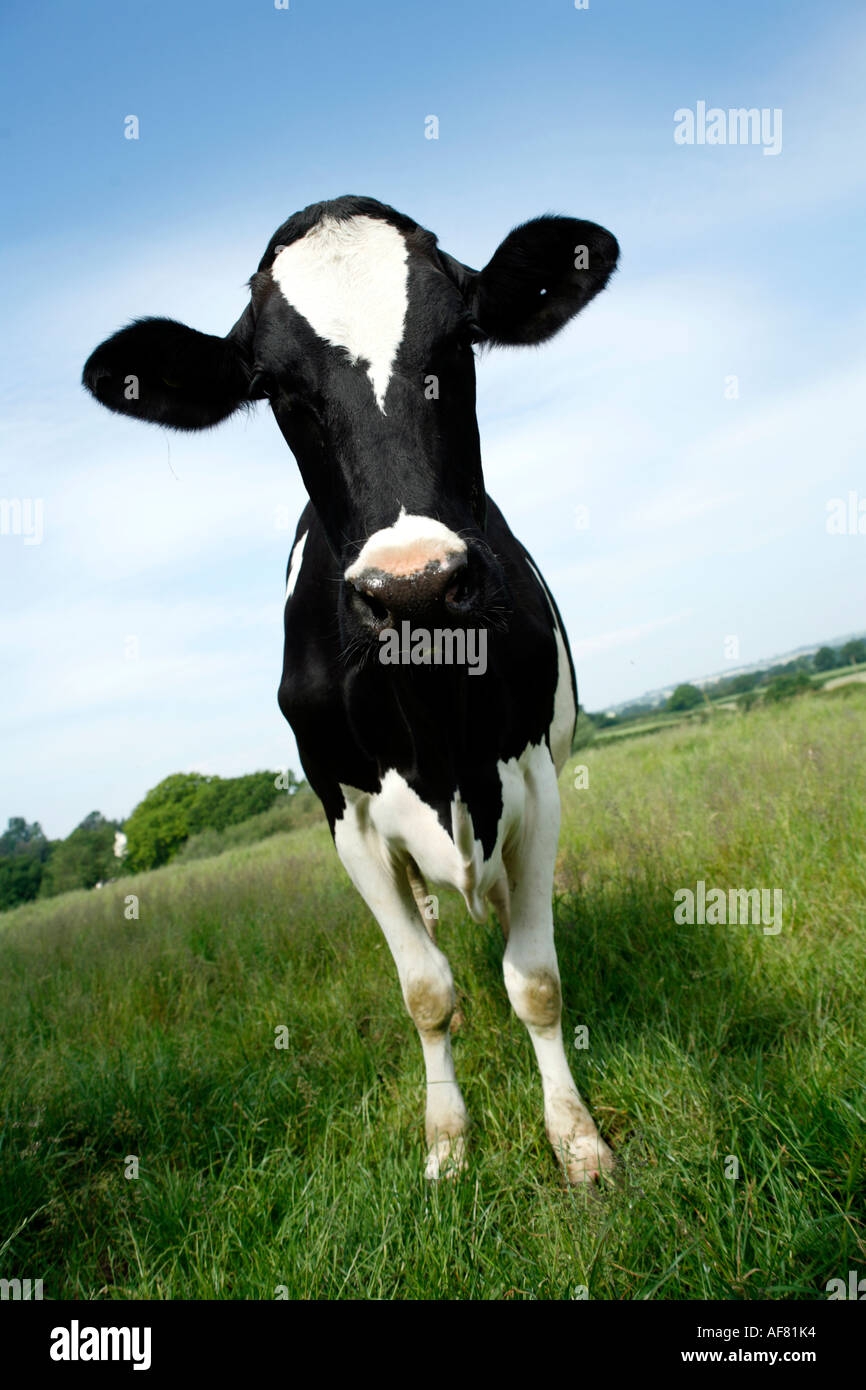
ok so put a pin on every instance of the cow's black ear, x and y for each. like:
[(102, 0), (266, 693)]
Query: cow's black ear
[(541, 276), (164, 372)]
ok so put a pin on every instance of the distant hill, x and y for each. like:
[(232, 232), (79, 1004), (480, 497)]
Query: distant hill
[(658, 696)]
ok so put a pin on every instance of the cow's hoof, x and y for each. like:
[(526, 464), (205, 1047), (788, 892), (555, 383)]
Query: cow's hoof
[(446, 1158), (585, 1159)]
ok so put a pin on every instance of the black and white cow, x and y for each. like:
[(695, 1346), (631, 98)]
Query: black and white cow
[(359, 332)]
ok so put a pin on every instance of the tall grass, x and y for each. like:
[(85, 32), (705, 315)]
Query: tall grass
[(301, 1167)]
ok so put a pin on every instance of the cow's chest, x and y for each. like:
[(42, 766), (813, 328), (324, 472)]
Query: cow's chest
[(398, 828)]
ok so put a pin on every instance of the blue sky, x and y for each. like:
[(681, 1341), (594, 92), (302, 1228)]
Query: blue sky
[(142, 636)]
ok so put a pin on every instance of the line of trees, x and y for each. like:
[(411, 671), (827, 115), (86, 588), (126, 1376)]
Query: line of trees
[(851, 654), (181, 806), (32, 866), (187, 803), (775, 683)]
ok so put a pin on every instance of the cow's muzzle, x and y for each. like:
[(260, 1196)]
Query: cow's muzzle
[(441, 589)]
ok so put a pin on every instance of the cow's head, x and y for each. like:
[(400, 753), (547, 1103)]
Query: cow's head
[(359, 332)]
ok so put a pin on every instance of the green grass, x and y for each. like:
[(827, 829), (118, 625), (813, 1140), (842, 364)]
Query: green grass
[(713, 704), (820, 678), (302, 1167)]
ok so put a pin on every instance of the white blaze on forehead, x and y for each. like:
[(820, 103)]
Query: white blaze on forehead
[(349, 281), (412, 543)]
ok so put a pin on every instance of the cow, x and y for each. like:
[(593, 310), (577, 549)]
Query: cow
[(359, 331)]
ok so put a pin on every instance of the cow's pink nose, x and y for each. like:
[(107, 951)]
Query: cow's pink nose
[(440, 584)]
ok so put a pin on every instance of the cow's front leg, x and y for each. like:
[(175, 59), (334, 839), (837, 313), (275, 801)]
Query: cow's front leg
[(532, 975), (425, 979)]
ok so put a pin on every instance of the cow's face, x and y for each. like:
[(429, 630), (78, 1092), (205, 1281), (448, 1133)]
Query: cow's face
[(360, 333)]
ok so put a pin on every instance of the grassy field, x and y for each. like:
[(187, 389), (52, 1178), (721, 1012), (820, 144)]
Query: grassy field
[(301, 1167)]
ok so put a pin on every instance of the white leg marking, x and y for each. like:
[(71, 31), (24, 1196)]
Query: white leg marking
[(500, 901), (532, 974), (425, 975)]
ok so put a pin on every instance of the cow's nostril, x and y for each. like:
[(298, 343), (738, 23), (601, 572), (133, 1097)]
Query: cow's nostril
[(456, 593), (419, 594), (368, 605)]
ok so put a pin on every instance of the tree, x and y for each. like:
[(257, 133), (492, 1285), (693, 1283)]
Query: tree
[(784, 687), (24, 852), (825, 659), (83, 859), (739, 685), (854, 652), (20, 878), (161, 822), (684, 697), (188, 803), (18, 835), (221, 802)]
